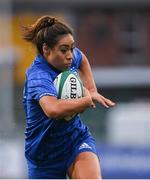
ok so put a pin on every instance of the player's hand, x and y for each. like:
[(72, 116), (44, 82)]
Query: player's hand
[(96, 97), (88, 95)]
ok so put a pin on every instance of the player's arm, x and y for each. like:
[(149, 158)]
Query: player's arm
[(60, 108), (89, 83)]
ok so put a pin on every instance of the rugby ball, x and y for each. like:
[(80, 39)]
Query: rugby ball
[(68, 86)]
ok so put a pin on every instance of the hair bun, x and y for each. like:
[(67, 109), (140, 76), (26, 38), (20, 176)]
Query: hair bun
[(51, 21), (48, 23)]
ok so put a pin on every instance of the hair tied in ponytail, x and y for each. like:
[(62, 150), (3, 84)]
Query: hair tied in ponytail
[(46, 29)]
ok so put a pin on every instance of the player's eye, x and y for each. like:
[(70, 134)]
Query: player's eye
[(64, 50)]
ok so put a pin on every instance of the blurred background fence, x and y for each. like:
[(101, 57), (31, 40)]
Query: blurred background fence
[(115, 36)]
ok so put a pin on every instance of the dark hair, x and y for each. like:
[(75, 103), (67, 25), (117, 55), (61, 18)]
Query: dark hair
[(46, 29)]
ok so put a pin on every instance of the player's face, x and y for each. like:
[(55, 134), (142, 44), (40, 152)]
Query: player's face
[(62, 54)]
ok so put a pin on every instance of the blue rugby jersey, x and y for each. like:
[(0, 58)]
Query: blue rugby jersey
[(48, 140)]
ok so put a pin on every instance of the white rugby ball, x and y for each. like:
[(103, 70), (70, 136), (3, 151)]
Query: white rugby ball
[(68, 86)]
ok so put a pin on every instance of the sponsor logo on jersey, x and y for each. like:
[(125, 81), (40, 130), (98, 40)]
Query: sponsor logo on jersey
[(85, 146)]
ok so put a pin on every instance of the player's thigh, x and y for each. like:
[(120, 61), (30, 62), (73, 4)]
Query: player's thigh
[(85, 166)]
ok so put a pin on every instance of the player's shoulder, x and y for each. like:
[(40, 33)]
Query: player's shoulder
[(37, 72), (77, 52), (77, 57)]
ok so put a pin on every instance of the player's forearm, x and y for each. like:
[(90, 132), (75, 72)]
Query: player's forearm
[(68, 107)]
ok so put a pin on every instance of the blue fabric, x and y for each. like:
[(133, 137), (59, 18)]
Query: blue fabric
[(50, 144), (58, 170)]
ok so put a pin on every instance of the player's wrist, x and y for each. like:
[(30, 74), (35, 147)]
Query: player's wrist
[(88, 101)]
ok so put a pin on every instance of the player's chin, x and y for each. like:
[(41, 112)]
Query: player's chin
[(66, 67)]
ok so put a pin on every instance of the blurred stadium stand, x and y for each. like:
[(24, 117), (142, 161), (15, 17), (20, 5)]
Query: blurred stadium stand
[(115, 36)]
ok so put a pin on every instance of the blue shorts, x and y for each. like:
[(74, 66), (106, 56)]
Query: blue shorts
[(59, 170)]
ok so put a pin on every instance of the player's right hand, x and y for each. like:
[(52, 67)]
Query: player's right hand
[(87, 94)]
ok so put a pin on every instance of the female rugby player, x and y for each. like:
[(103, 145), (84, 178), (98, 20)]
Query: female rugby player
[(56, 148)]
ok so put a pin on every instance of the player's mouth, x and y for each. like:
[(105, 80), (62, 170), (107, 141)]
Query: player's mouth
[(68, 64)]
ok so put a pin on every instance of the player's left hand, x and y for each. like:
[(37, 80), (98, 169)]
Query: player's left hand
[(96, 97)]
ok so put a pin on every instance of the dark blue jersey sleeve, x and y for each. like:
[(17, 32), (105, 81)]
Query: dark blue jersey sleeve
[(77, 58), (40, 84)]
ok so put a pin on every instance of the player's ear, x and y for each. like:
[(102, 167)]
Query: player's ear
[(46, 49)]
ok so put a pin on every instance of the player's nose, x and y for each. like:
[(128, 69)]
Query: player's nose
[(69, 56)]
